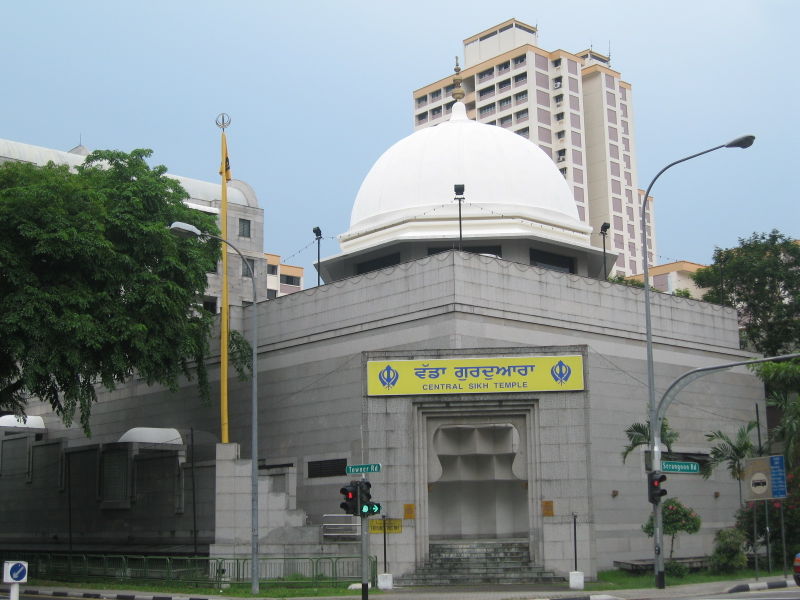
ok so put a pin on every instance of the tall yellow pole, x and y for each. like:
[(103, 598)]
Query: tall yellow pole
[(225, 171)]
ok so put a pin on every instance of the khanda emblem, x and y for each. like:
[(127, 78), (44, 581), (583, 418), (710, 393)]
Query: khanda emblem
[(389, 377), (561, 372)]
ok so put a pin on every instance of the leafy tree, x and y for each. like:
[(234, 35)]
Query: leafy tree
[(682, 293), (93, 286), (761, 279), (622, 280), (732, 451), (676, 518), (639, 435), (783, 382)]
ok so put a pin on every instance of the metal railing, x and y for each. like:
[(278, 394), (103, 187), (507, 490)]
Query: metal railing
[(217, 571)]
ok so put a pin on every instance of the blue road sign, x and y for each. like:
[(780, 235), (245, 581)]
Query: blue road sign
[(777, 472)]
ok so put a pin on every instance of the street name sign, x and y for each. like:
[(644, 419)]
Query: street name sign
[(678, 466), (355, 469)]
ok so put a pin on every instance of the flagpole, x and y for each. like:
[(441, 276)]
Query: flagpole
[(223, 121)]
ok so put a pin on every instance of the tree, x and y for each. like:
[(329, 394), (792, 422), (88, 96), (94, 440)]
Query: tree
[(93, 286), (639, 435), (761, 279), (676, 518), (731, 451), (782, 380)]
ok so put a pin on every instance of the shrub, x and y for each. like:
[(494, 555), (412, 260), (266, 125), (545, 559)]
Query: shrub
[(728, 553), (673, 568)]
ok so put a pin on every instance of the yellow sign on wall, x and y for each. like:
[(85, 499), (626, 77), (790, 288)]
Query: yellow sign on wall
[(490, 375)]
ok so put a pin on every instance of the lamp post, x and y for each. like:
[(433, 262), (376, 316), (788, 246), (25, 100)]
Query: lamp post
[(318, 232), (604, 232), (458, 188), (744, 141), (189, 231)]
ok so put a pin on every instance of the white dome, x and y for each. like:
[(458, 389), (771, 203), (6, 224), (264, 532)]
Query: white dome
[(509, 181)]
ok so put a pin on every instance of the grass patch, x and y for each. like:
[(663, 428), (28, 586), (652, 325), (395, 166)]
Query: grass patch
[(282, 589), (623, 580)]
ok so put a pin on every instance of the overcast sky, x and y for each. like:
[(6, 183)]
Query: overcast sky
[(317, 90)]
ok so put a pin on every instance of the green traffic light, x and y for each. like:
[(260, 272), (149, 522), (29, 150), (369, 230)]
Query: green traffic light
[(376, 508)]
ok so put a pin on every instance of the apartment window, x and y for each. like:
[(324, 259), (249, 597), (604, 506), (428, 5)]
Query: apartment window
[(519, 60), (436, 95), (272, 269), (623, 109), (504, 85), (505, 121), (422, 100), (561, 134), (560, 116), (484, 75), (563, 171), (245, 271), (576, 139), (561, 155), (521, 97), (609, 81), (544, 135), (557, 83), (487, 110), (617, 223), (577, 157), (615, 169), (520, 79), (556, 63), (559, 98), (503, 67), (504, 103), (622, 93), (618, 241), (436, 112), (611, 100), (524, 132), (244, 228), (574, 102), (290, 280), (449, 89), (577, 175), (521, 115), (486, 92), (613, 134), (612, 115), (422, 117)]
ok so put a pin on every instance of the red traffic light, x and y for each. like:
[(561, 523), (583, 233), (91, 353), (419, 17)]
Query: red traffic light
[(654, 489)]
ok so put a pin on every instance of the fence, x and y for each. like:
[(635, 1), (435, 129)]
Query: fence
[(194, 569)]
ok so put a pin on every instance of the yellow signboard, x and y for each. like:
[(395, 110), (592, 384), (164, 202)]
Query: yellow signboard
[(490, 375), (392, 525)]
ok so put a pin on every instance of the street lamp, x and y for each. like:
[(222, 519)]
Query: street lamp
[(744, 141), (318, 233), (189, 231), (604, 232), (458, 189)]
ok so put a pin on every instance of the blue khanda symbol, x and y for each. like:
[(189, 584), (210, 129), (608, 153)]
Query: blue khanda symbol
[(388, 377), (561, 372)]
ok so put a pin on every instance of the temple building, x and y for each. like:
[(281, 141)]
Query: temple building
[(465, 340)]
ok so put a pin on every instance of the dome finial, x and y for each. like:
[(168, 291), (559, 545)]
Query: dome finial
[(458, 92)]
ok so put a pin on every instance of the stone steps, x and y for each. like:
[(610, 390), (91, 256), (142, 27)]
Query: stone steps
[(468, 563)]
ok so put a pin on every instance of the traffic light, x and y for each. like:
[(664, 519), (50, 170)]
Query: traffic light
[(350, 493), (654, 489), (368, 507)]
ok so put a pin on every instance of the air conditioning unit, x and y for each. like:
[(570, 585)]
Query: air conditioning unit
[(557, 85), (559, 104), (562, 158)]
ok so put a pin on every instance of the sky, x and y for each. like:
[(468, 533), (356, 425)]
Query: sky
[(317, 90)]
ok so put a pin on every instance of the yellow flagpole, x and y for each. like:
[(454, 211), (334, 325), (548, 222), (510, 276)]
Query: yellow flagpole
[(225, 172)]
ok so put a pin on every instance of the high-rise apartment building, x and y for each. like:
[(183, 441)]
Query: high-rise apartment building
[(575, 107)]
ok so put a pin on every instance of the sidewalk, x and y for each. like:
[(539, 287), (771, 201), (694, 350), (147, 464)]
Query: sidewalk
[(489, 592)]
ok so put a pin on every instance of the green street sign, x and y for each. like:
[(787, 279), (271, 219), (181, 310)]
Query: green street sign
[(354, 469), (676, 466)]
